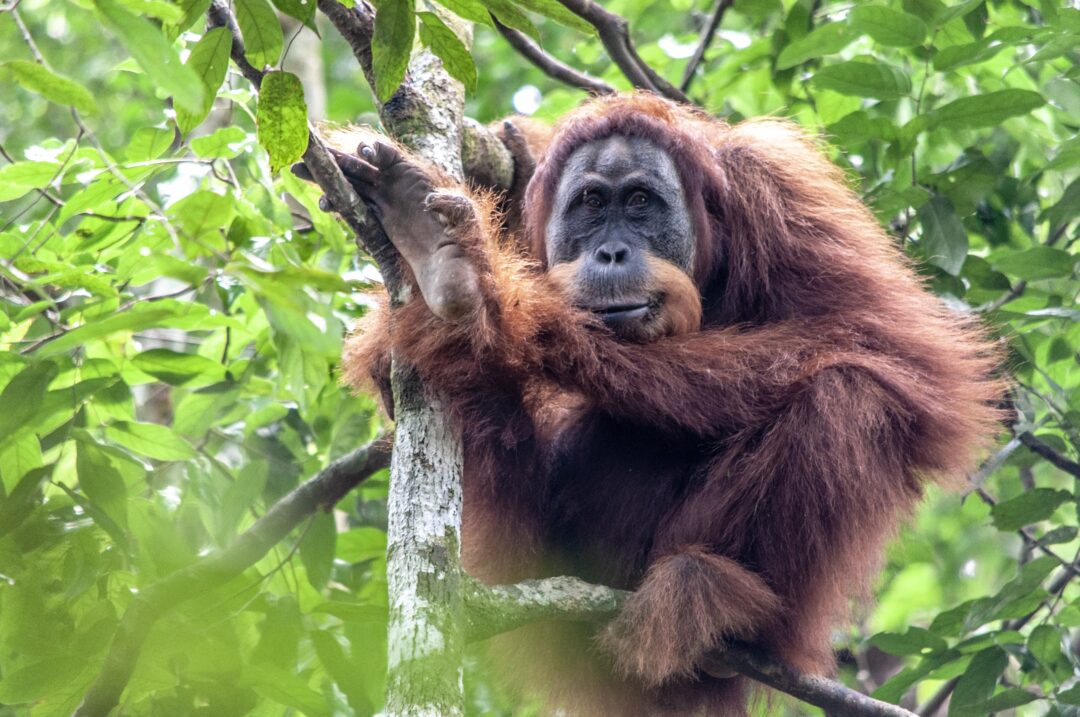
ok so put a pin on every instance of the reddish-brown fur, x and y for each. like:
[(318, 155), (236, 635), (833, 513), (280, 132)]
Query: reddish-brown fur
[(741, 477)]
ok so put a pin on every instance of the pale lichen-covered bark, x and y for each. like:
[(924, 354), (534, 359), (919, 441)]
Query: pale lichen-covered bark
[(426, 635)]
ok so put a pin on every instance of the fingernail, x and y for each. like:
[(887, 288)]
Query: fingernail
[(367, 152), (324, 203)]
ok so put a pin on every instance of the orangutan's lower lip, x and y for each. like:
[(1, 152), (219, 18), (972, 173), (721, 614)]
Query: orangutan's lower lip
[(621, 312)]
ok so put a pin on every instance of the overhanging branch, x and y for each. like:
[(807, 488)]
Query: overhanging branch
[(614, 32), (323, 490), (549, 65)]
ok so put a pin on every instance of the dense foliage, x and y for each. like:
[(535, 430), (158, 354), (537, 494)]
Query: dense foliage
[(173, 309)]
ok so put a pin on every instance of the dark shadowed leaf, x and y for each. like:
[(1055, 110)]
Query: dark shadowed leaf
[(1028, 507), (944, 239), (977, 683), (863, 79), (391, 45), (915, 641)]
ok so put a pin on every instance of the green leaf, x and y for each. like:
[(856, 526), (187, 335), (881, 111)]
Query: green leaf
[(44, 678), (1002, 701), (1041, 262), (449, 48), (821, 41), (302, 10), (863, 79), (224, 143), (915, 641), (22, 397), (263, 39), (986, 110), (23, 177), (154, 54), (38, 78), (471, 10), (317, 549), (210, 59), (978, 681), (101, 482), (150, 440), (140, 316), (1067, 208), (557, 12), (20, 454), (177, 368), (284, 687), (203, 211), (508, 14), (1044, 643), (282, 119), (887, 26), (948, 58), (391, 45), (1029, 507), (1070, 696), (944, 240)]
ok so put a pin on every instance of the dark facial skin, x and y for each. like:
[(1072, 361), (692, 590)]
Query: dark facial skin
[(619, 202)]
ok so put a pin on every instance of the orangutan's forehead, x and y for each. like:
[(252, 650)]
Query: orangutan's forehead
[(618, 158)]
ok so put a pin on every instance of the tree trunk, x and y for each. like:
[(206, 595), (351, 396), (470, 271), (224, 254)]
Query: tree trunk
[(426, 630)]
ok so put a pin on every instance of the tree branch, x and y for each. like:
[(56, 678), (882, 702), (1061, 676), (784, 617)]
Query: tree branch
[(706, 40), (614, 33), (492, 610), (549, 65), (1044, 451), (323, 490)]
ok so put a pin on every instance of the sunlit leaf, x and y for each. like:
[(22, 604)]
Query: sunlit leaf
[(282, 119), (154, 54), (55, 88)]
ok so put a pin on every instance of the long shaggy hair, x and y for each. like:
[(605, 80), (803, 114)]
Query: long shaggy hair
[(741, 475)]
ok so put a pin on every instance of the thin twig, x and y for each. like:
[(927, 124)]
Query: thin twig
[(706, 40), (614, 32), (550, 66), (323, 490)]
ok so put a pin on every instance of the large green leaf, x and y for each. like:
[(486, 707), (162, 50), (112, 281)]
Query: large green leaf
[(819, 42), (282, 119), (1041, 262), (263, 39), (391, 45), (150, 440), (61, 90), (986, 110), (944, 240), (887, 26), (317, 549), (449, 48), (210, 59), (154, 54), (864, 79), (1029, 507)]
